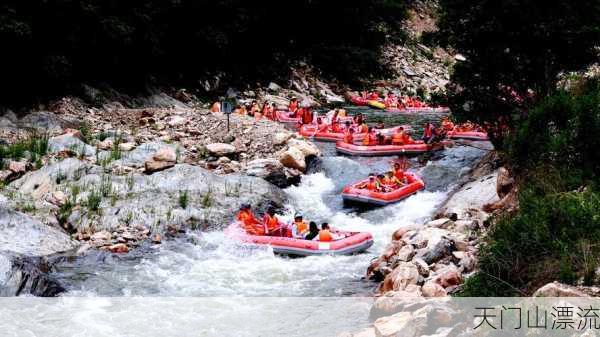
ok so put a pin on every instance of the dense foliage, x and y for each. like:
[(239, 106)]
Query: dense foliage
[(50, 47), (555, 235), (514, 50)]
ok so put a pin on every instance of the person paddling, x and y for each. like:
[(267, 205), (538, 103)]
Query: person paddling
[(272, 227), (299, 227), (249, 222), (349, 134)]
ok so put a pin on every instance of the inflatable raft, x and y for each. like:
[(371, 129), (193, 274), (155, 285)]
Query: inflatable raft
[(310, 131), (385, 150), (353, 194), (470, 135), (350, 243), (358, 100)]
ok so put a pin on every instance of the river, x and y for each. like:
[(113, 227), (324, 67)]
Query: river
[(207, 264)]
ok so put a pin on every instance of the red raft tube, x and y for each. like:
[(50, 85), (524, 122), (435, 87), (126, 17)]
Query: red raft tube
[(310, 131), (385, 150), (470, 135), (358, 100), (353, 194), (284, 117), (350, 243)]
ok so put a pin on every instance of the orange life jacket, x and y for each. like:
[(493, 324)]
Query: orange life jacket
[(301, 227), (399, 174), (293, 106), (325, 235), (363, 128), (348, 137), (398, 138), (407, 140), (271, 222), (307, 116), (250, 224)]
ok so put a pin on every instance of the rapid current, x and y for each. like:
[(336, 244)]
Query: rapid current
[(209, 265)]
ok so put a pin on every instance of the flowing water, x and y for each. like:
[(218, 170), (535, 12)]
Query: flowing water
[(207, 264)]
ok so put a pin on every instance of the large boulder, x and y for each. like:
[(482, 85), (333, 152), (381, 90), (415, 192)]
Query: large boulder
[(154, 200), (37, 184), (401, 277), (22, 234), (293, 158), (270, 170)]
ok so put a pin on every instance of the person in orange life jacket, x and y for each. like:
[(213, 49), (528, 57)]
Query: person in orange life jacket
[(254, 109), (325, 234), (428, 132), (447, 125), (293, 107), (398, 137), (349, 134), (380, 139), (271, 224), (335, 121), (381, 187), (370, 137), (239, 109), (398, 173), (299, 227), (374, 96), (321, 126), (266, 110), (306, 116), (390, 100), (249, 222), (313, 231), (391, 181), (371, 184)]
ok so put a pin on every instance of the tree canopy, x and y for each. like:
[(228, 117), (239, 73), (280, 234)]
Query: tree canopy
[(52, 46), (514, 50)]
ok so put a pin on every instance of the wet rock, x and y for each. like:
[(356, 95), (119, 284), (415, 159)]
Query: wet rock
[(270, 170), (118, 248), (274, 87), (438, 246), (20, 275), (504, 182), (432, 289)]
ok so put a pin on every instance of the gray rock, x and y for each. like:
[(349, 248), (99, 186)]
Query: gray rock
[(22, 234), (153, 200), (138, 156), (69, 142)]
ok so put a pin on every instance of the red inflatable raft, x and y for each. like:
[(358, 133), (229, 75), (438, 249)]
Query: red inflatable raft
[(351, 243), (359, 195), (284, 117), (358, 100), (328, 136), (385, 150), (471, 135)]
